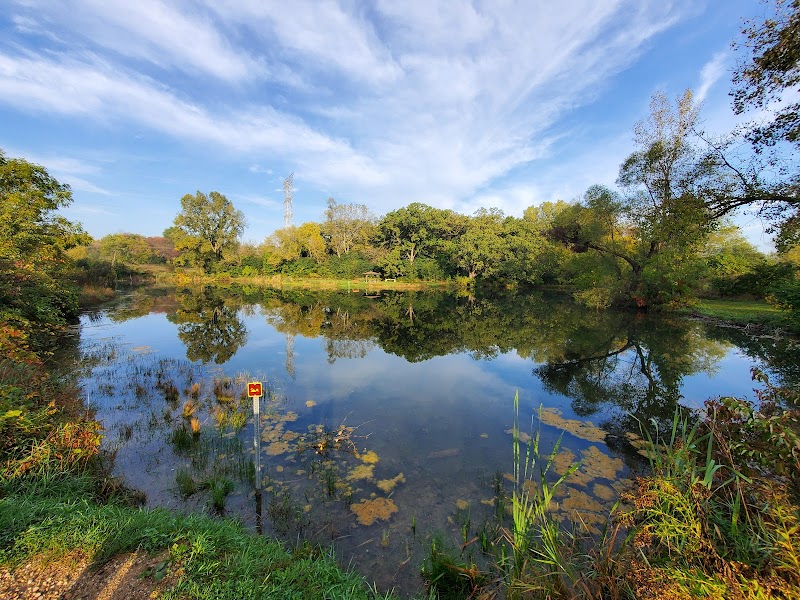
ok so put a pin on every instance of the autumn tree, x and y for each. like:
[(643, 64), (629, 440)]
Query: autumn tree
[(347, 226), (206, 228), (292, 243)]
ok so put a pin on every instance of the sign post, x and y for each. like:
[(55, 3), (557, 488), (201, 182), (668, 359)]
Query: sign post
[(255, 390)]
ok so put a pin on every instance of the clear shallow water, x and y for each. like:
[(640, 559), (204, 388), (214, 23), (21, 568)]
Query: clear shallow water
[(389, 417)]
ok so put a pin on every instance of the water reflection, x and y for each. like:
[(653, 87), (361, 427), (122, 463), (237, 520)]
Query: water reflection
[(209, 324), (421, 383)]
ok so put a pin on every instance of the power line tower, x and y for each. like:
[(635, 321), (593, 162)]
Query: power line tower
[(287, 201)]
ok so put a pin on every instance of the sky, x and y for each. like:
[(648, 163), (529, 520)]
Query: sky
[(455, 104)]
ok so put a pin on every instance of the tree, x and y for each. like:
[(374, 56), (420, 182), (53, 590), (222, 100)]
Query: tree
[(129, 248), (652, 232), (773, 69), (347, 226), (206, 228), (419, 230), (293, 243), (482, 247), (33, 242), (209, 325)]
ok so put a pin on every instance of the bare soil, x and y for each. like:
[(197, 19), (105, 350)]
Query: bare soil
[(73, 577)]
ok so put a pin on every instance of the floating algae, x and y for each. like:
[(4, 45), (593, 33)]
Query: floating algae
[(603, 492), (370, 457), (369, 511), (277, 448), (593, 464), (387, 485), (563, 461), (361, 472), (462, 504), (581, 507), (597, 464), (310, 403), (582, 429)]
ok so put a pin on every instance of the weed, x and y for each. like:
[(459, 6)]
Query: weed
[(186, 485), (182, 440), (219, 488)]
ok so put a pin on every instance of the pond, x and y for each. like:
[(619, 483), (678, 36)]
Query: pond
[(388, 416)]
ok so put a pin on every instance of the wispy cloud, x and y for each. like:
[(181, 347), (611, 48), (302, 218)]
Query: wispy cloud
[(157, 32), (711, 72), (423, 100)]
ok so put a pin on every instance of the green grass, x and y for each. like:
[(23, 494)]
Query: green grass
[(757, 312), (216, 558)]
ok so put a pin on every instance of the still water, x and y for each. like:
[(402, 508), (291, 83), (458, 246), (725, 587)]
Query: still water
[(388, 415)]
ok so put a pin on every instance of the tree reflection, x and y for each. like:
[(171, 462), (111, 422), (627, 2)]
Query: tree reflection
[(209, 324), (630, 362)]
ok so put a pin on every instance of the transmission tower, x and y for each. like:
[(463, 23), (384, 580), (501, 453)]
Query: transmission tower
[(287, 201)]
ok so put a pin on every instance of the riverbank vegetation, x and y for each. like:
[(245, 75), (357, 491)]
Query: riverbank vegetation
[(717, 515)]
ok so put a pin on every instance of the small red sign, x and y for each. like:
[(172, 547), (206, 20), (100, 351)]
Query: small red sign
[(254, 389)]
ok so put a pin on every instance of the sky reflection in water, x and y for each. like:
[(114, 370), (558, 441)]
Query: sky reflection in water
[(426, 380)]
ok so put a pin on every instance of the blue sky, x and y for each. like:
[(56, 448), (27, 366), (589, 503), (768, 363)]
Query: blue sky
[(454, 104)]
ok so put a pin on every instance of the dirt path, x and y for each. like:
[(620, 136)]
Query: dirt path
[(71, 577)]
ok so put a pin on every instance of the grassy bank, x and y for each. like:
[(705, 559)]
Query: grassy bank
[(743, 313), (310, 283), (717, 515), (195, 556)]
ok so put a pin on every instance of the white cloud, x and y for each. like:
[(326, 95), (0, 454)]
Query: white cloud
[(710, 74), (316, 34), (390, 103), (149, 30)]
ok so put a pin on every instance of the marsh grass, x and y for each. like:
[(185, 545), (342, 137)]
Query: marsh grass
[(712, 518)]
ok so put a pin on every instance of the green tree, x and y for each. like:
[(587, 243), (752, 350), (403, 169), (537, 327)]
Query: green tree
[(33, 242), (209, 325), (128, 248), (347, 226), (206, 228), (419, 230), (482, 247), (652, 234), (772, 69)]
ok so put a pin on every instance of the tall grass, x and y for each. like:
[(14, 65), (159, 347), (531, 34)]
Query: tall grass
[(536, 537), (711, 518)]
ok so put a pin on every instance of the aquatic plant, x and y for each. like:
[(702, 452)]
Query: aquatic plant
[(182, 440), (189, 409), (186, 484), (536, 537), (220, 488)]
